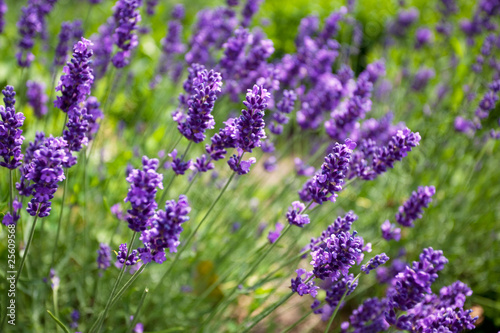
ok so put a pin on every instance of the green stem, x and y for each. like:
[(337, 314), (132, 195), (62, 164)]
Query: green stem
[(297, 322), (268, 311), (337, 308), (177, 255), (136, 315), (119, 294), (165, 192), (58, 322), (26, 250), (60, 221), (56, 303), (233, 291), (11, 190), (117, 282)]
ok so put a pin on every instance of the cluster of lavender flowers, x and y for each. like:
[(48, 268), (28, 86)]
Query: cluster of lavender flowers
[(371, 160), (172, 47), (333, 254), (44, 172), (165, 230), (69, 33), (142, 193), (327, 182), (160, 229), (244, 133), (126, 17), (204, 90), (10, 132), (37, 98), (32, 24)]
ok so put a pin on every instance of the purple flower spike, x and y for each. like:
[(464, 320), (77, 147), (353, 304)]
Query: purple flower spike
[(301, 287), (77, 79), (340, 224), (374, 262), (29, 26), (122, 256), (206, 87), (37, 98), (251, 7), (295, 216), (336, 255), (275, 234), (142, 193), (10, 132), (389, 231), (3, 10), (413, 208), (94, 113), (410, 286), (165, 230), (78, 127), (249, 127), (179, 165), (46, 171), (127, 17), (62, 47), (103, 256), (328, 181), (423, 37)]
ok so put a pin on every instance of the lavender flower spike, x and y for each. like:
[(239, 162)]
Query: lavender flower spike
[(412, 209), (374, 262), (63, 45), (77, 79), (206, 87), (3, 10), (142, 193), (46, 171), (103, 256), (166, 228), (29, 26), (127, 17), (328, 181), (122, 258), (10, 132), (37, 98), (295, 214)]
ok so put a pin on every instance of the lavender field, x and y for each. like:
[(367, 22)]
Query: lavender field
[(250, 166)]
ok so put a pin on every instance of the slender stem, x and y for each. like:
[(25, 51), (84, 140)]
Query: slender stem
[(250, 271), (165, 192), (177, 255), (60, 220), (56, 303), (268, 311), (117, 282), (297, 322), (26, 250), (191, 183), (65, 121), (136, 315), (173, 147), (337, 308), (11, 190), (120, 293)]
